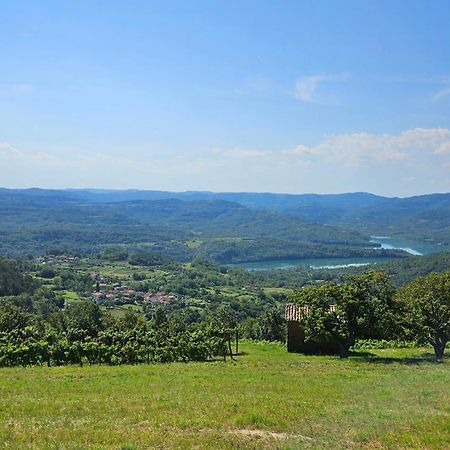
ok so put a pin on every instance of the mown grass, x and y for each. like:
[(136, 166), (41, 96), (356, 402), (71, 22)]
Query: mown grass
[(267, 398)]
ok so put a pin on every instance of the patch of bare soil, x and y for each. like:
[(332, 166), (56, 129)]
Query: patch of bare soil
[(263, 434)]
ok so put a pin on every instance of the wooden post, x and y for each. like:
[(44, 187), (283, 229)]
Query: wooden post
[(229, 346)]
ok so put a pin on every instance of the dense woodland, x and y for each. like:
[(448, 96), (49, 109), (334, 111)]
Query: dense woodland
[(421, 218), (34, 222)]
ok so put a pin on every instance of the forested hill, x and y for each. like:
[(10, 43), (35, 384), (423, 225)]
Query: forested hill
[(422, 218), (223, 227), (37, 221), (202, 217)]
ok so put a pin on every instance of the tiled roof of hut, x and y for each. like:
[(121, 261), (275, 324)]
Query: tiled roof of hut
[(294, 313)]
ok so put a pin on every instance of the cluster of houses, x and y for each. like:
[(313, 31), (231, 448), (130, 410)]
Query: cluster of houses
[(120, 294), (56, 259)]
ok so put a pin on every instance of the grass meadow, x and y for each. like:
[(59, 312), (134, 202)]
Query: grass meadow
[(266, 398)]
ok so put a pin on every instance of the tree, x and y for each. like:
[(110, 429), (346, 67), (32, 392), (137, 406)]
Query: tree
[(363, 307), (12, 317), (427, 302), (224, 321), (13, 278), (271, 325), (85, 316)]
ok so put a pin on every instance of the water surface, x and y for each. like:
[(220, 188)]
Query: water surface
[(314, 263), (386, 242), (412, 247)]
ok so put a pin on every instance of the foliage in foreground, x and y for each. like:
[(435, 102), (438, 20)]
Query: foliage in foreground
[(427, 302), (27, 347), (369, 307), (364, 307), (83, 334)]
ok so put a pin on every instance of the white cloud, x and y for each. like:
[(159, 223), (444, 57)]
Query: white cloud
[(306, 87), (444, 148), (300, 150), (441, 94), (240, 153), (409, 162), (8, 150), (363, 149), (420, 137)]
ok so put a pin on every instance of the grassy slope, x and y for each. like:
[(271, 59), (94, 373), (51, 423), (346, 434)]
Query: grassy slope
[(307, 402)]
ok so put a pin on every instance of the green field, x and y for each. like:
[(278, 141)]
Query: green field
[(267, 398)]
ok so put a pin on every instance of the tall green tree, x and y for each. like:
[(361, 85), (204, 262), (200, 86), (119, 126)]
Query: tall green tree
[(271, 325), (12, 317), (85, 316), (427, 302), (363, 307)]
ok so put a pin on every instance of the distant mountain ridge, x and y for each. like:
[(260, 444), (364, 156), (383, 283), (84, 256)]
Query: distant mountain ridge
[(35, 221), (423, 217)]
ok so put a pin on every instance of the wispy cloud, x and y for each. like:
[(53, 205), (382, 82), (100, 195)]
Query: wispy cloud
[(441, 94), (408, 162), (299, 150), (242, 153), (8, 150), (307, 87), (363, 149), (444, 148), (356, 149)]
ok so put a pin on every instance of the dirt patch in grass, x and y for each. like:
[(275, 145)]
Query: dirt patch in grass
[(264, 434)]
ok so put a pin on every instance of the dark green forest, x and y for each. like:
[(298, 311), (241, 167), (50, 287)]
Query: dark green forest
[(424, 217), (35, 222)]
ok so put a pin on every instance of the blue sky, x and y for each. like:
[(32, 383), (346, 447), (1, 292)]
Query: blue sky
[(281, 96)]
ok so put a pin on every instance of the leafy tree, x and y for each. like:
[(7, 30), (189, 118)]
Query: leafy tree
[(157, 317), (361, 308), (13, 279), (130, 321), (44, 307), (224, 323), (271, 325), (138, 276), (225, 318), (249, 328), (85, 316), (12, 317), (427, 301)]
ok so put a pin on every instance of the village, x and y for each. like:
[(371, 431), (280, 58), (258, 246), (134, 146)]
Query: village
[(117, 293), (56, 259)]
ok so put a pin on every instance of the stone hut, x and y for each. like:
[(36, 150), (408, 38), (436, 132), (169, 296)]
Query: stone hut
[(296, 334)]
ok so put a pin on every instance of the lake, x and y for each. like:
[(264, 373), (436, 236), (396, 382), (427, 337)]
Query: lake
[(414, 248)]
